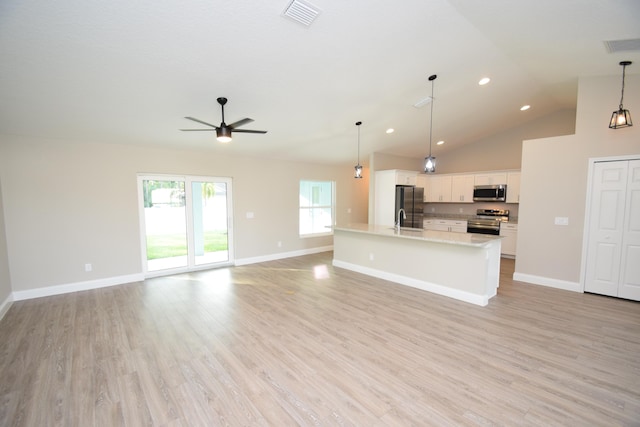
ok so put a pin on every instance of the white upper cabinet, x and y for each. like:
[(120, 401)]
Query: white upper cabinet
[(455, 188), (513, 187), (440, 188), (423, 181), (462, 188), (491, 178), (385, 193), (406, 177)]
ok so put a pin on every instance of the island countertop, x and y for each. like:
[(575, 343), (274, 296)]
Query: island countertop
[(465, 239), (464, 266)]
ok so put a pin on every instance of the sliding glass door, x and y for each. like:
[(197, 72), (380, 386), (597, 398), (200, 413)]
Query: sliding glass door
[(185, 222), (210, 222)]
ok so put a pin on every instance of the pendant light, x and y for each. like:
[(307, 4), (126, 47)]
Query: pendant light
[(430, 161), (621, 118), (358, 168)]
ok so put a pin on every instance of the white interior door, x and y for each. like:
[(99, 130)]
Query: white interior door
[(606, 227), (630, 265)]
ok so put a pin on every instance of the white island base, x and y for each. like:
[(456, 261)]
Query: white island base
[(458, 265)]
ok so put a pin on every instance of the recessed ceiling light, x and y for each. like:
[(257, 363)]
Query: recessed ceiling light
[(439, 142), (525, 107), (483, 81), (390, 130)]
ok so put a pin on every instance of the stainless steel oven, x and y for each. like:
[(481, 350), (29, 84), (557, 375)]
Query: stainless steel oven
[(487, 221)]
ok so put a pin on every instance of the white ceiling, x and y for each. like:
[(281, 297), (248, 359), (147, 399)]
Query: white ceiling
[(124, 71)]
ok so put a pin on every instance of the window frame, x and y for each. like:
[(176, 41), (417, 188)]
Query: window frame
[(331, 206)]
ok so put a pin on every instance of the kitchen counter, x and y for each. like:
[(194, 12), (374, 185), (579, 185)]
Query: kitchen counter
[(465, 239), (458, 265)]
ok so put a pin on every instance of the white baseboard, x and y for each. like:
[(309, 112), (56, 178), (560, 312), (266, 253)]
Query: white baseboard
[(481, 300), (282, 255), (6, 305), (120, 280), (75, 287), (547, 281)]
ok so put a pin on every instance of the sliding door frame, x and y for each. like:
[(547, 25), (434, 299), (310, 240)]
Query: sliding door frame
[(188, 180)]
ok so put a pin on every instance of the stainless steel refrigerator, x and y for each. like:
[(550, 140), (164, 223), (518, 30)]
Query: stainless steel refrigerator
[(411, 199)]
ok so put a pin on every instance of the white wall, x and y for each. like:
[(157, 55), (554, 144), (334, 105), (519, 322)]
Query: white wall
[(504, 150), (5, 279), (67, 204), (554, 182), (498, 152)]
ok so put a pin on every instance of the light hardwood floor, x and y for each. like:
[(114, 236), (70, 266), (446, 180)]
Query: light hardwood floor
[(297, 342)]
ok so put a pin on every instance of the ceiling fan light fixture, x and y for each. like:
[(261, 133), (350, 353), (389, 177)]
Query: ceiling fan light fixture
[(621, 118), (224, 131), (223, 134)]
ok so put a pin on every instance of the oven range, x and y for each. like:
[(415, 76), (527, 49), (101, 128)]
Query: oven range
[(487, 221)]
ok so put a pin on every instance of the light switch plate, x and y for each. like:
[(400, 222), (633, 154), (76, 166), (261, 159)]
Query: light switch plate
[(561, 220)]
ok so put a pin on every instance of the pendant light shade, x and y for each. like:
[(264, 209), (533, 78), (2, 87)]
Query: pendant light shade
[(430, 161), (358, 168), (429, 164), (621, 118)]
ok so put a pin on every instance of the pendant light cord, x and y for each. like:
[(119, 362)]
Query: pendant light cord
[(431, 120), (624, 67), (358, 143), (431, 78), (358, 124)]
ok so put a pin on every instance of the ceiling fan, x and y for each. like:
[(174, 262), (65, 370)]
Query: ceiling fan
[(223, 132)]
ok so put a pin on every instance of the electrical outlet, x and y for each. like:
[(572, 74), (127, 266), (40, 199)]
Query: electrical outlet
[(561, 220), (279, 243), (88, 267), (371, 256), (249, 215)]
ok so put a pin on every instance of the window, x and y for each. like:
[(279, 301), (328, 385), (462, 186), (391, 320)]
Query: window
[(316, 207)]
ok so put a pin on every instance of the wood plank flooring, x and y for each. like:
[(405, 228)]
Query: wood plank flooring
[(298, 342)]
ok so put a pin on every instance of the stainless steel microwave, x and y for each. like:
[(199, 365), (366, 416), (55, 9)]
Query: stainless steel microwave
[(490, 193)]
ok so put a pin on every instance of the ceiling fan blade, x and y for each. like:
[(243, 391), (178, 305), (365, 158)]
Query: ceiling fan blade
[(248, 131), (240, 123), (200, 121), (196, 130)]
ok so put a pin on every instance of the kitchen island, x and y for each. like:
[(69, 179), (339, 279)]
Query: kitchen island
[(463, 266)]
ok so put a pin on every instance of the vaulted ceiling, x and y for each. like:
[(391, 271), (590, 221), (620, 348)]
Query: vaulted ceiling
[(128, 72)]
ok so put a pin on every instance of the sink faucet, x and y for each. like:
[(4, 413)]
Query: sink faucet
[(404, 216)]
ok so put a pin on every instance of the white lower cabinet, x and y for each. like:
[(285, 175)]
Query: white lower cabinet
[(510, 234), (456, 226)]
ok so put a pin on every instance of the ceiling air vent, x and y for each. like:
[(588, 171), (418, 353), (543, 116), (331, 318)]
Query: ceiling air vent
[(302, 12), (614, 46), (422, 102)]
